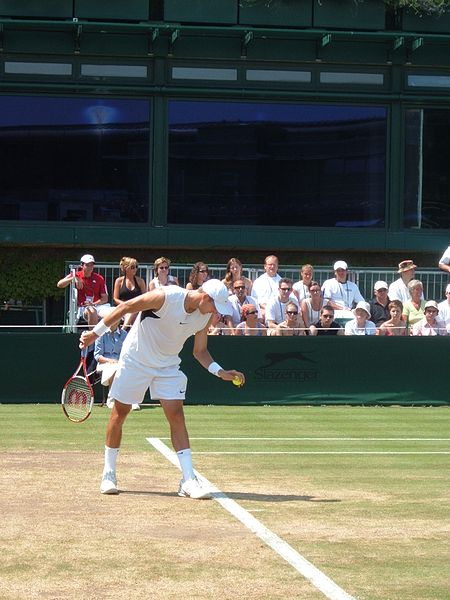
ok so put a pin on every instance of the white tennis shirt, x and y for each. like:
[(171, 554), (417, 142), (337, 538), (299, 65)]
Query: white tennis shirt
[(157, 337)]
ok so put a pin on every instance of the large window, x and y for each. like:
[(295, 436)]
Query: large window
[(427, 169), (74, 159), (276, 164)]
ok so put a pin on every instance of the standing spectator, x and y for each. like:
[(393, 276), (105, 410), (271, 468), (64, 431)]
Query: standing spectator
[(250, 324), (162, 276), (444, 261), (326, 325), (276, 307), (413, 309), (361, 325), (198, 276), (128, 286), (265, 287), (339, 292), (238, 299), (444, 307), (379, 305), (396, 325), (233, 274), (311, 306), (430, 324), (92, 295), (398, 290), (302, 287), (293, 323)]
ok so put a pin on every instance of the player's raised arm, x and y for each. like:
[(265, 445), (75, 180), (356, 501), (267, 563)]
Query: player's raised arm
[(149, 301)]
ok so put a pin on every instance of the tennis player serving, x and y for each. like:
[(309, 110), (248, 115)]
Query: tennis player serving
[(149, 359)]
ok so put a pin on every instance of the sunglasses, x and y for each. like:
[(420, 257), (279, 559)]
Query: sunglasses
[(133, 267), (291, 312), (253, 312), (239, 287), (163, 268), (315, 290), (431, 310), (285, 289), (203, 271), (327, 316)]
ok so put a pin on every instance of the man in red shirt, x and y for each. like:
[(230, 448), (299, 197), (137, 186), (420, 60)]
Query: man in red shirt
[(92, 294)]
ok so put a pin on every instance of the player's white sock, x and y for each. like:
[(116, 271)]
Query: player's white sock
[(185, 458), (110, 459)]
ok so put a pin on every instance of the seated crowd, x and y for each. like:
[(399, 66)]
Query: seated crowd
[(275, 305)]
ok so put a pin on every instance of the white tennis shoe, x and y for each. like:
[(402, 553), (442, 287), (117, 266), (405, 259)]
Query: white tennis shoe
[(192, 488), (109, 483)]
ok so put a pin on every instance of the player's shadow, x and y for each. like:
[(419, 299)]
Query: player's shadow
[(272, 497)]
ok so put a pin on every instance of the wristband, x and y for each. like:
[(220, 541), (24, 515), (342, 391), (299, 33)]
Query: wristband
[(214, 369), (100, 329)]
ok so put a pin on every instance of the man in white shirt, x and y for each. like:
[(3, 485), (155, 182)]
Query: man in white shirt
[(265, 286), (444, 261), (339, 292), (237, 301), (276, 307), (444, 307), (398, 290)]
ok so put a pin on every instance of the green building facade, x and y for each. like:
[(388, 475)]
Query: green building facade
[(251, 124)]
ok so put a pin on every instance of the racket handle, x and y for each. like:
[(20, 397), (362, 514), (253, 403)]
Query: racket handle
[(84, 352)]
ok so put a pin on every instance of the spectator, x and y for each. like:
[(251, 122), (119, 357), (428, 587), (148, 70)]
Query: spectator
[(233, 274), (238, 299), (293, 323), (361, 325), (398, 290), (301, 287), (444, 261), (339, 292), (128, 286), (413, 309), (220, 325), (379, 305), (396, 325), (198, 276), (444, 307), (265, 287), (250, 324), (311, 307), (92, 295), (430, 324), (326, 325), (276, 307), (106, 353), (162, 276)]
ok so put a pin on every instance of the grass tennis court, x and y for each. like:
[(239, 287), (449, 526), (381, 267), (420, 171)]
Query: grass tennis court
[(361, 493)]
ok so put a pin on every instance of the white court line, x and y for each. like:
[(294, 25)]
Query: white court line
[(318, 579), (321, 452), (321, 439)]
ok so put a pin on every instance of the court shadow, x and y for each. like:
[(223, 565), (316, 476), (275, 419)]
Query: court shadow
[(273, 497), (148, 493)]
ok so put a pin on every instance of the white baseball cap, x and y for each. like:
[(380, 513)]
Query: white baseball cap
[(87, 258), (217, 291), (380, 285), (364, 305), (340, 264)]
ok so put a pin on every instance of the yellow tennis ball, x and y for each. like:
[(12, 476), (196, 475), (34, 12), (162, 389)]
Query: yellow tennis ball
[(237, 380)]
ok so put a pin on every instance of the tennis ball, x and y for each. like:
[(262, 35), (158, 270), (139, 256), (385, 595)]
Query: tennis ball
[(237, 381)]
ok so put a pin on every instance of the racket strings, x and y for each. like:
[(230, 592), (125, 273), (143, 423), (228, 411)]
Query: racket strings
[(77, 399)]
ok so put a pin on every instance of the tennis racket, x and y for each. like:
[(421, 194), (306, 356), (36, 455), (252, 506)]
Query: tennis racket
[(77, 398)]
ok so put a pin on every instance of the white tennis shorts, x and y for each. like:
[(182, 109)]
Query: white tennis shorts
[(132, 380)]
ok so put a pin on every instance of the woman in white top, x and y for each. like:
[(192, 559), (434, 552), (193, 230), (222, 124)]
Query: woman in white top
[(361, 325), (311, 306), (301, 288), (162, 277)]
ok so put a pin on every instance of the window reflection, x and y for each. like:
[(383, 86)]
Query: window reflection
[(276, 164), (427, 175), (74, 159)]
